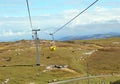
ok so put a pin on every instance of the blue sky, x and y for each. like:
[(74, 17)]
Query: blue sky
[(49, 15)]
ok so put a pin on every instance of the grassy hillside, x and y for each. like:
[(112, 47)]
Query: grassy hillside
[(18, 59)]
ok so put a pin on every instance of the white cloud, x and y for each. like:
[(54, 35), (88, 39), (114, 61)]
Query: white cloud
[(99, 14), (19, 26), (10, 33)]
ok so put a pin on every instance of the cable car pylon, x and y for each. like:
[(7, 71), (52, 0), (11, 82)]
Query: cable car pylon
[(37, 50), (34, 35)]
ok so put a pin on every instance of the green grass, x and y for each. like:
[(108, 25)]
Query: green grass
[(24, 75), (22, 53), (105, 62), (27, 74)]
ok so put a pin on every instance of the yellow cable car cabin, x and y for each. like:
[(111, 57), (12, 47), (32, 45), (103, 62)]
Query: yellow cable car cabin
[(52, 48)]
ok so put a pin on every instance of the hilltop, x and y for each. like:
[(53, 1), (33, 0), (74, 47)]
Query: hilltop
[(18, 59)]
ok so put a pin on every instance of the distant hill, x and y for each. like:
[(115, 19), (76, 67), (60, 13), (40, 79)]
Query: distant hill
[(94, 36)]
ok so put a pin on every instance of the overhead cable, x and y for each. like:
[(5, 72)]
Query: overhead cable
[(74, 17), (29, 14)]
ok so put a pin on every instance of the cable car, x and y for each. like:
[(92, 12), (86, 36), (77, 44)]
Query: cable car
[(52, 43), (52, 48)]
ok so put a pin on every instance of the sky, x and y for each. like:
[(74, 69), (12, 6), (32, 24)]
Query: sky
[(49, 15)]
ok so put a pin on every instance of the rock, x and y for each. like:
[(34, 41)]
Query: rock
[(32, 83), (7, 58), (6, 81)]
